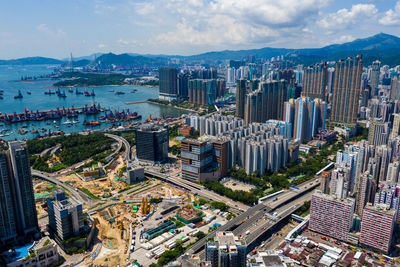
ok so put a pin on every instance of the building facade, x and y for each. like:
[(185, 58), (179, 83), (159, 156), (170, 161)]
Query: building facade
[(65, 215), (346, 90), (377, 227), (331, 216), (152, 143), (168, 83)]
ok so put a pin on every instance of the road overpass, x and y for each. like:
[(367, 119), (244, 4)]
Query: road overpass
[(197, 189), (76, 193), (121, 140)]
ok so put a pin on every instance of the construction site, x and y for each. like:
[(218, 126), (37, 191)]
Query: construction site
[(105, 186)]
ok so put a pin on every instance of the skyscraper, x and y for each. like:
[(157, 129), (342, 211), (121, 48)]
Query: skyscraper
[(346, 90), (307, 116), (168, 83), (152, 143), (374, 79), (240, 96), (315, 81), (395, 88), (8, 227), (202, 91), (18, 218)]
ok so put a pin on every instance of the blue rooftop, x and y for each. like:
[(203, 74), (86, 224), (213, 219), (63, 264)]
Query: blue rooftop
[(180, 138)]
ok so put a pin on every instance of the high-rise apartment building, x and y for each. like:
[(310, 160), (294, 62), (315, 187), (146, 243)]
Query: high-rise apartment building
[(18, 218), (307, 117), (241, 91), (396, 125), (346, 90), (266, 102), (365, 192), (168, 83), (377, 227), (378, 133), (374, 79), (331, 216), (227, 250), (202, 91), (152, 143), (65, 215), (183, 85), (395, 88), (315, 81)]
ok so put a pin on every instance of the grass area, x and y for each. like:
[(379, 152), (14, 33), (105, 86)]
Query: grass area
[(91, 79), (87, 192), (75, 148)]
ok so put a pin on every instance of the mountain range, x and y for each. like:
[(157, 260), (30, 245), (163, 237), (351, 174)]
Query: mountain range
[(383, 47)]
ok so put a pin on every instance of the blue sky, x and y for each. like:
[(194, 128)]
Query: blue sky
[(54, 28)]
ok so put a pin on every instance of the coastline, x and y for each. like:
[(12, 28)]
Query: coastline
[(160, 104)]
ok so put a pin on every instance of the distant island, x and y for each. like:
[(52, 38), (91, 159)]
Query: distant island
[(94, 79)]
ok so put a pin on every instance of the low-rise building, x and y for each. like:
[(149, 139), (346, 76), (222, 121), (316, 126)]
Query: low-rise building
[(40, 253)]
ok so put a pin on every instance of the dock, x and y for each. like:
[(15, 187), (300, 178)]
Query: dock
[(137, 102)]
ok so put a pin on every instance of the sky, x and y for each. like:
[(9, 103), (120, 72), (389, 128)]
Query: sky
[(56, 28)]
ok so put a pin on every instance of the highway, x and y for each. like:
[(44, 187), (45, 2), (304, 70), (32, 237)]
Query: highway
[(253, 218), (198, 189), (76, 193), (121, 141)]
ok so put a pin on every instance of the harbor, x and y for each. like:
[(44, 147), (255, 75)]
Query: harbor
[(113, 111)]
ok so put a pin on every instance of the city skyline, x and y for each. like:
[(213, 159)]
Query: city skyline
[(167, 27)]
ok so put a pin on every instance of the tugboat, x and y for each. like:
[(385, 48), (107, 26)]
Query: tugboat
[(19, 96)]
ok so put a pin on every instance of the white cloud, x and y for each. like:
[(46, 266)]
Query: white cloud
[(218, 22), (392, 16), (144, 8), (45, 29), (344, 39), (345, 17), (101, 46)]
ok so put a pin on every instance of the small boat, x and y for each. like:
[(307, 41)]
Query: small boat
[(49, 92), (48, 123), (34, 131), (119, 93), (1, 97), (112, 91), (75, 122), (22, 131), (19, 96), (70, 90), (28, 92), (67, 122), (77, 92)]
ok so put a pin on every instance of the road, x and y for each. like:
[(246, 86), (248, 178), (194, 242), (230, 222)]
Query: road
[(76, 193), (121, 141), (198, 189)]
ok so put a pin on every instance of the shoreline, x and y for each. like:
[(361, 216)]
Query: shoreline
[(160, 104)]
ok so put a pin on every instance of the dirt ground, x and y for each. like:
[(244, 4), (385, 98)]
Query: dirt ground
[(234, 185), (101, 186), (114, 235)]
